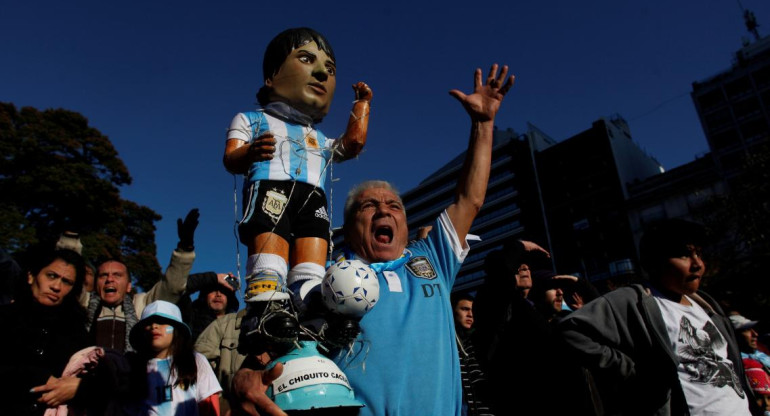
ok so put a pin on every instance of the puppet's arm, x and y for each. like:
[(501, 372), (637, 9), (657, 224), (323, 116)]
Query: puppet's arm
[(239, 155), (351, 143)]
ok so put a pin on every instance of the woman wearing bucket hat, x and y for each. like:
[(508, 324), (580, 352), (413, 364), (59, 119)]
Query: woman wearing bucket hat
[(178, 380)]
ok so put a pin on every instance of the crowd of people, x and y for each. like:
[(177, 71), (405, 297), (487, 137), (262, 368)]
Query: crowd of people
[(531, 342)]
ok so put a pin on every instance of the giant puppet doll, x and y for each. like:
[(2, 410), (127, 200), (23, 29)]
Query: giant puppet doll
[(284, 159)]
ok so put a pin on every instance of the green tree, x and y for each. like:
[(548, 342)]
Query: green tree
[(57, 174)]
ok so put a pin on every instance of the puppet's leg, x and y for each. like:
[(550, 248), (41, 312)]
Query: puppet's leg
[(305, 278), (266, 269), (269, 324), (308, 258)]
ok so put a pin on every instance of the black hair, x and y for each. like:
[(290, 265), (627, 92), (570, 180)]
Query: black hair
[(72, 258), (183, 359), (456, 297), (666, 239), (281, 46)]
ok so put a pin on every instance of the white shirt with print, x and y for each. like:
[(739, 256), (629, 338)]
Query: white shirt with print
[(707, 376)]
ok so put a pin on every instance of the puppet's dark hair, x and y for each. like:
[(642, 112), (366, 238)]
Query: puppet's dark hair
[(281, 46)]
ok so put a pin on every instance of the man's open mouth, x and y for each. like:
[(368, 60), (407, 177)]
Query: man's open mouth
[(110, 290), (383, 234)]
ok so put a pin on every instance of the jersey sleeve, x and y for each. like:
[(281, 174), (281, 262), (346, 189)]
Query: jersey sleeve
[(239, 128), (447, 248), (207, 381)]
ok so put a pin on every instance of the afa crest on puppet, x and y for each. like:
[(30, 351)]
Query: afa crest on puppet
[(350, 288)]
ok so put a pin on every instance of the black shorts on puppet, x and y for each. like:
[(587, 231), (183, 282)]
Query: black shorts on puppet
[(289, 209)]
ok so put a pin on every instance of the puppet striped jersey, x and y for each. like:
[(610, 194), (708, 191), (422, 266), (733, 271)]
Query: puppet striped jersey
[(301, 152)]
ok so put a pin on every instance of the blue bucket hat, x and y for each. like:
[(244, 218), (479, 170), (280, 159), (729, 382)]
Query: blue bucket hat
[(162, 312)]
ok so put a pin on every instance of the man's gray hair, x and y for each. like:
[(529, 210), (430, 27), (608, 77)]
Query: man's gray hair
[(363, 186)]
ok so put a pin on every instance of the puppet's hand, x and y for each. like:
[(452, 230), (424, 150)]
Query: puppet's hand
[(483, 103), (363, 92), (262, 148)]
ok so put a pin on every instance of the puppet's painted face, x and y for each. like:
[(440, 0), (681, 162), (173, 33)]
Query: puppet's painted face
[(306, 81)]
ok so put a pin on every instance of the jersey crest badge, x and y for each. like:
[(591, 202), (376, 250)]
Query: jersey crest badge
[(274, 204), (421, 267), (311, 141)]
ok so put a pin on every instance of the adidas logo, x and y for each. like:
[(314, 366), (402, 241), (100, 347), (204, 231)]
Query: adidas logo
[(321, 213)]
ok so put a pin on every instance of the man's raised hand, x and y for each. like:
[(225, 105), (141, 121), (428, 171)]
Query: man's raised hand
[(483, 103)]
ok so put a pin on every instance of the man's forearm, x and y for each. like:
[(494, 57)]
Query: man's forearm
[(474, 176), (174, 281)]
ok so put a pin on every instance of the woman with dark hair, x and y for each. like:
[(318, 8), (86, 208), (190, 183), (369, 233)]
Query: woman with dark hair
[(42, 329), (169, 377)]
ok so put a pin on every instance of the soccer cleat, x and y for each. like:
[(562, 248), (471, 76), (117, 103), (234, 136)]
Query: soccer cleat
[(268, 326)]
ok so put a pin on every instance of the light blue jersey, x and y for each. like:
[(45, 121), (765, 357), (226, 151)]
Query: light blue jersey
[(301, 152), (164, 398), (405, 360)]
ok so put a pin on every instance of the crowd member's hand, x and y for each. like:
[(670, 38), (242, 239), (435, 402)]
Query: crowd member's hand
[(222, 280), (423, 231), (529, 246), (250, 387), (577, 300), (186, 230), (57, 391), (262, 148), (572, 279)]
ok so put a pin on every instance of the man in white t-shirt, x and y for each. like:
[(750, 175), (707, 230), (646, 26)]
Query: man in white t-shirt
[(665, 347)]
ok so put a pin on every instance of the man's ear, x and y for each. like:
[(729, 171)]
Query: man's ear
[(269, 82), (30, 278), (128, 290)]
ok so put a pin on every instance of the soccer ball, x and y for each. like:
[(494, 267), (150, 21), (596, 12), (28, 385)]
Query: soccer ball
[(350, 288)]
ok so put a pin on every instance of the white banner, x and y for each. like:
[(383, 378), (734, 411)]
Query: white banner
[(308, 371)]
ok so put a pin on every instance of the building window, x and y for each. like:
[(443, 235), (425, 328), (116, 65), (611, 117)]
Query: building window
[(738, 88), (755, 130), (762, 77), (711, 100), (718, 119), (699, 197), (747, 108), (653, 214), (725, 140)]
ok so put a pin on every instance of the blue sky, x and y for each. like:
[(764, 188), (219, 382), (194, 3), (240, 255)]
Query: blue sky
[(163, 79)]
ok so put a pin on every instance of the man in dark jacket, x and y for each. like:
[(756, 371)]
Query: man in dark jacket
[(216, 298), (664, 348)]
